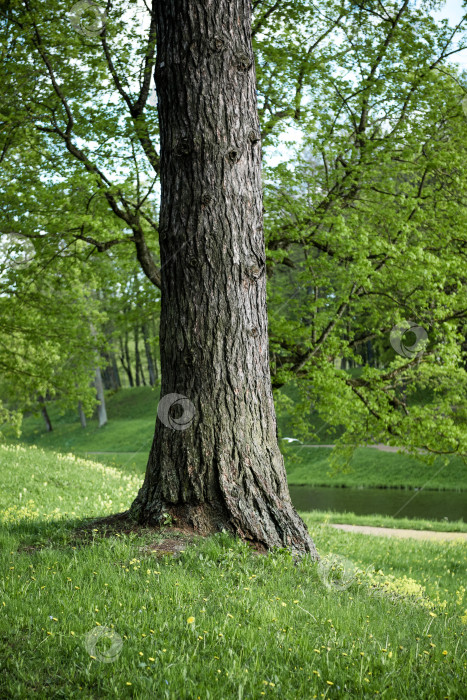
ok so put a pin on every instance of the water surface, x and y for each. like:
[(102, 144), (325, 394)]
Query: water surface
[(401, 503)]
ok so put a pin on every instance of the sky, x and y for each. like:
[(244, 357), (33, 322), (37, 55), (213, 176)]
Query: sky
[(451, 10), (454, 11)]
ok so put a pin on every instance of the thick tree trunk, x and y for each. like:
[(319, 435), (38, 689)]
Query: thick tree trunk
[(149, 358), (45, 415), (218, 465), (101, 410)]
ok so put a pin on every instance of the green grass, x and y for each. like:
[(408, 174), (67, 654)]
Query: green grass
[(328, 516), (216, 621), (372, 468), (127, 438)]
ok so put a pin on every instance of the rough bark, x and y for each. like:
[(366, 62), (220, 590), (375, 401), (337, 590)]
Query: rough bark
[(225, 469)]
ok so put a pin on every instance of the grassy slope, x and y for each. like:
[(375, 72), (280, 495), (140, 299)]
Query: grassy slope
[(128, 436), (262, 627), (373, 468)]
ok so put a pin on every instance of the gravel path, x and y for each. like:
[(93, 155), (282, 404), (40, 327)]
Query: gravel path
[(397, 532)]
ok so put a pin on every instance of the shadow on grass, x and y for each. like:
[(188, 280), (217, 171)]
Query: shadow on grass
[(74, 533)]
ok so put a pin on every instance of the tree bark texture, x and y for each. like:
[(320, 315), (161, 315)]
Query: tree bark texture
[(216, 463)]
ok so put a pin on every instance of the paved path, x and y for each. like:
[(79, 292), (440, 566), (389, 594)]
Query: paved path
[(378, 446), (397, 532)]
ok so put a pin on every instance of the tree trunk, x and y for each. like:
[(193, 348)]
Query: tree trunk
[(138, 366), (125, 359), (110, 372), (82, 417), (218, 465), (149, 358), (45, 415), (101, 410), (116, 376)]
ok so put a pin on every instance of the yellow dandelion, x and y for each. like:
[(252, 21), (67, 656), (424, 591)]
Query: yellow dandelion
[(190, 620), (329, 682)]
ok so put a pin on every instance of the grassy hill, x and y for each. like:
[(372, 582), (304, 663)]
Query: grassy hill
[(109, 616), (125, 442)]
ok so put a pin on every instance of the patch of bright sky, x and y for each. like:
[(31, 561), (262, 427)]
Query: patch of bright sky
[(291, 137)]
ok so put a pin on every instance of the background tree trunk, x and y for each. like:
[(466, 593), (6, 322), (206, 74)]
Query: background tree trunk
[(125, 359), (45, 415), (101, 410), (140, 380), (149, 358), (82, 417), (110, 375), (116, 376), (225, 470)]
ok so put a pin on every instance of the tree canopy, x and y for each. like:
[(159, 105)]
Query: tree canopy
[(365, 215)]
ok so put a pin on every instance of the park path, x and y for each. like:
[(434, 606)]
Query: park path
[(398, 532), (377, 446)]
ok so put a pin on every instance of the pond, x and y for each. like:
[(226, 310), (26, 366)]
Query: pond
[(401, 503)]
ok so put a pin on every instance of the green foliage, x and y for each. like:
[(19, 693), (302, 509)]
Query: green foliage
[(365, 218), (49, 329), (366, 227)]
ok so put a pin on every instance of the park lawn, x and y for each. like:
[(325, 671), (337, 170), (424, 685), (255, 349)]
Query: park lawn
[(215, 621), (373, 468), (126, 440)]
